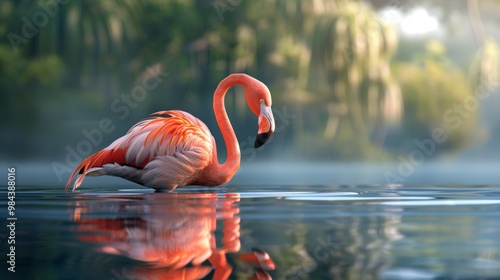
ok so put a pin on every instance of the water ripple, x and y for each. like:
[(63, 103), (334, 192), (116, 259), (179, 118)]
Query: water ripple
[(443, 202)]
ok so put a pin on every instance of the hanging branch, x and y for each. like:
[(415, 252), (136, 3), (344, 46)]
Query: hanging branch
[(476, 22)]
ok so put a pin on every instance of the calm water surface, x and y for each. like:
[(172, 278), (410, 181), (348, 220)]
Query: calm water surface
[(245, 232)]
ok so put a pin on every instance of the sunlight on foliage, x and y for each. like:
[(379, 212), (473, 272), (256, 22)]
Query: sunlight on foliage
[(351, 49), (485, 69)]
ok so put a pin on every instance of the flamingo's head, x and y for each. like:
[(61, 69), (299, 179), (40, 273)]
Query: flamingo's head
[(259, 100)]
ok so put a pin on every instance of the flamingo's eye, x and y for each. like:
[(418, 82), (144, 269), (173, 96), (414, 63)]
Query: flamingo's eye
[(262, 101)]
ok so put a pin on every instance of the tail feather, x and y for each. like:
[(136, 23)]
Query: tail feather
[(90, 165)]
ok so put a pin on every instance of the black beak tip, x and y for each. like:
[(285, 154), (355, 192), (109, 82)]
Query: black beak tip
[(261, 139), (258, 143)]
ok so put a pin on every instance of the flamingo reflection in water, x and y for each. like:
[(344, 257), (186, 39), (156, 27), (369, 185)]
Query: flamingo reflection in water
[(173, 234)]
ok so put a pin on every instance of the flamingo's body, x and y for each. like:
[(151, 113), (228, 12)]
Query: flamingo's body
[(173, 149)]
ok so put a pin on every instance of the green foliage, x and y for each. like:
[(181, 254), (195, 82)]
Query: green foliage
[(18, 73), (350, 46), (45, 70), (346, 145), (485, 68), (434, 92), (330, 61), (347, 56)]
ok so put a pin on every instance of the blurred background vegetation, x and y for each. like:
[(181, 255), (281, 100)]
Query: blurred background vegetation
[(350, 80)]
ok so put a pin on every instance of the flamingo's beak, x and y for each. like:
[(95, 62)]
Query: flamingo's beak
[(266, 125)]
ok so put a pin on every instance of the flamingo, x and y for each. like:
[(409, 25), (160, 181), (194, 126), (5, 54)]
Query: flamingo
[(173, 149), (174, 235)]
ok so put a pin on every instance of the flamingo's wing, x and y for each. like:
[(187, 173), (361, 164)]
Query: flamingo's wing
[(165, 151)]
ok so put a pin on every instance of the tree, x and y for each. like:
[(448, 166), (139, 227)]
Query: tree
[(351, 49), (437, 95)]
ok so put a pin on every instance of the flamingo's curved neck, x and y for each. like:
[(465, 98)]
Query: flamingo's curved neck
[(226, 170)]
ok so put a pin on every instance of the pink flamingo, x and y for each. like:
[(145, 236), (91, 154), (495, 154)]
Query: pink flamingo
[(173, 149)]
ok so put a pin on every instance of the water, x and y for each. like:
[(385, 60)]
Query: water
[(307, 231)]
